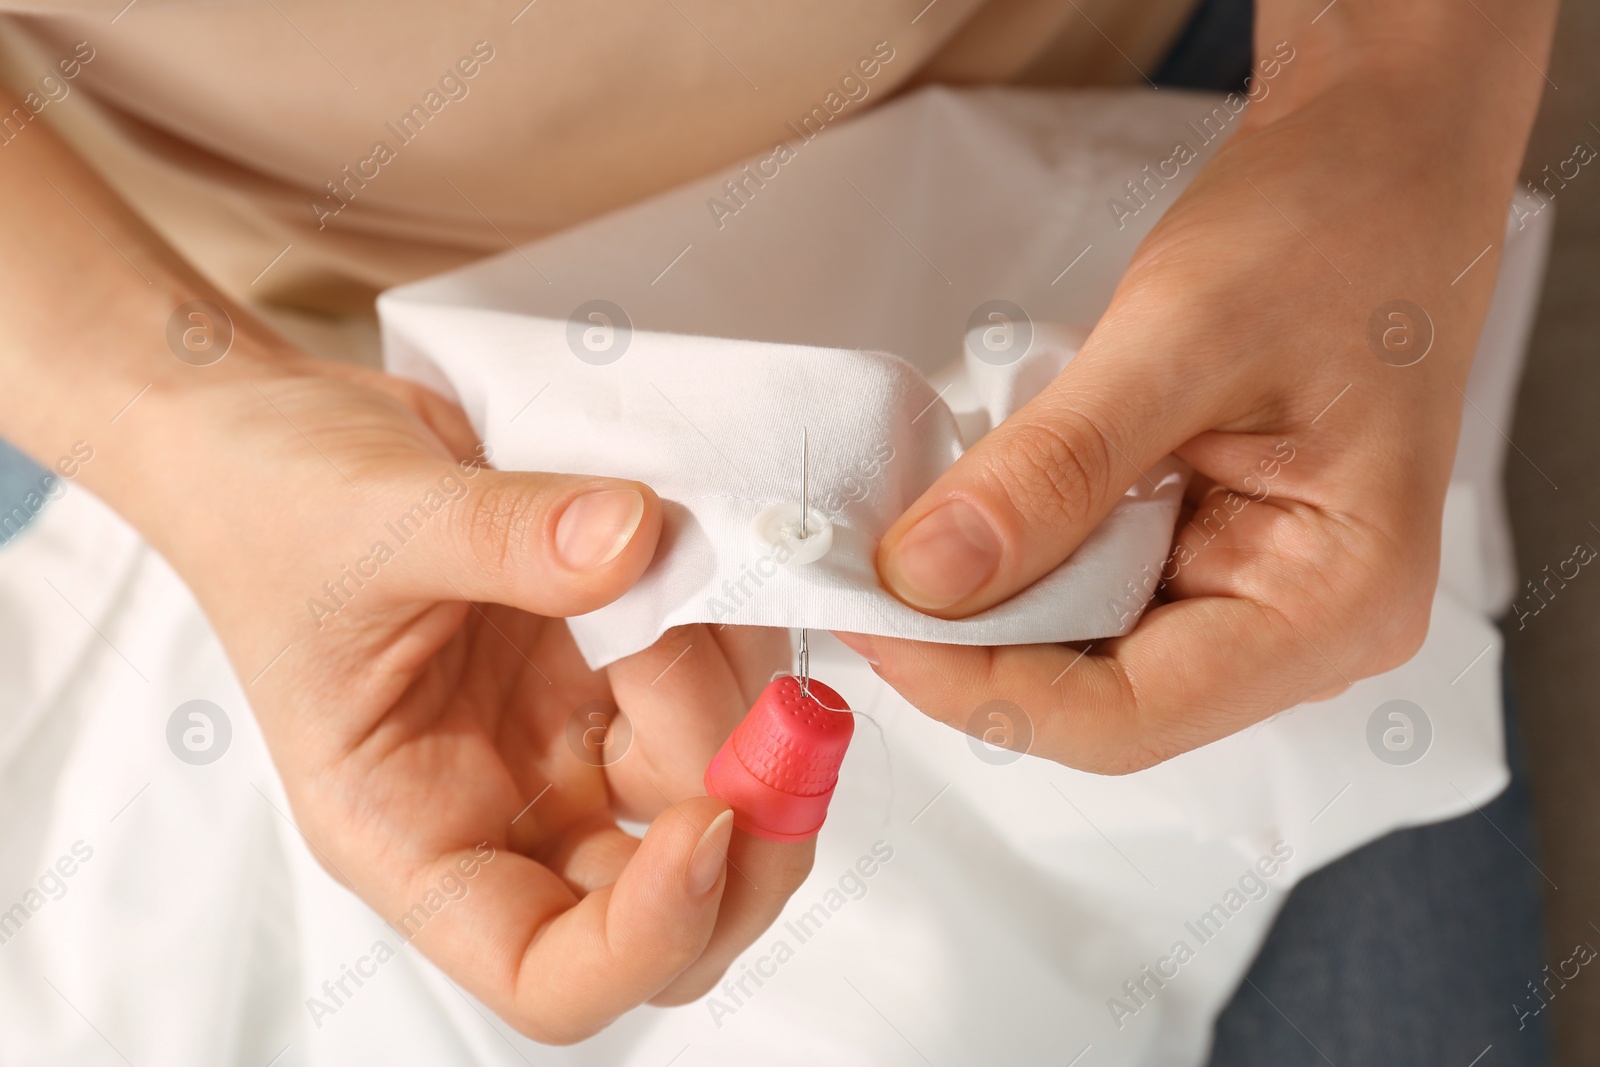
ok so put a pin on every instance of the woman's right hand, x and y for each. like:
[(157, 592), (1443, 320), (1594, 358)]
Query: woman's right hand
[(395, 612), (431, 701), (427, 707)]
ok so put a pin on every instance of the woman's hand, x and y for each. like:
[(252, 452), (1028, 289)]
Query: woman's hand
[(1251, 337), (447, 753), (394, 610)]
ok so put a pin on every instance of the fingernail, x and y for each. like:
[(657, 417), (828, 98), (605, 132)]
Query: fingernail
[(710, 854), (944, 558), (597, 526), (861, 645)]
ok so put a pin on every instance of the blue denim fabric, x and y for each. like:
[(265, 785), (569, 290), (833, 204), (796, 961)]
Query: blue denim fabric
[(19, 476), (1213, 51), (1415, 949)]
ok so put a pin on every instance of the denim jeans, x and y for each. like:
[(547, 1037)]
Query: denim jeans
[(19, 476), (1416, 948)]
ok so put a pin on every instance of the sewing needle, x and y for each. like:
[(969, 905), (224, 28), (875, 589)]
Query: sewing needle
[(805, 507)]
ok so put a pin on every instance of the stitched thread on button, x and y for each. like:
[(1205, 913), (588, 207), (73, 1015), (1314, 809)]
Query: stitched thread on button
[(779, 525)]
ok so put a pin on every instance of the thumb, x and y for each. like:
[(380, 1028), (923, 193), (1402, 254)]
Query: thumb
[(1028, 493), (552, 544)]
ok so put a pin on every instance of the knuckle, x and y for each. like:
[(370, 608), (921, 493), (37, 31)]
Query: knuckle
[(1388, 617), (1117, 763), (690, 988), (1056, 469), (1401, 638), (501, 516), (540, 1026), (671, 946), (1146, 741)]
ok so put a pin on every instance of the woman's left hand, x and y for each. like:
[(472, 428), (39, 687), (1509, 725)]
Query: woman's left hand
[(1299, 327)]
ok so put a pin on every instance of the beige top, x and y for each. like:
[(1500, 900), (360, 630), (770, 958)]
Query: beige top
[(382, 141)]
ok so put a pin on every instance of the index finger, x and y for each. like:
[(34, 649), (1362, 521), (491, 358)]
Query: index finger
[(1131, 702)]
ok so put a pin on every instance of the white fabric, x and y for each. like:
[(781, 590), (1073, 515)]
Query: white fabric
[(1018, 898), (764, 325), (878, 435)]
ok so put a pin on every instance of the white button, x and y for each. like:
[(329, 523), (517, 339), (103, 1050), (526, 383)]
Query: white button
[(778, 530)]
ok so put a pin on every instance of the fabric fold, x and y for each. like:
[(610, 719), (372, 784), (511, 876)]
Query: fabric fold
[(717, 426)]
